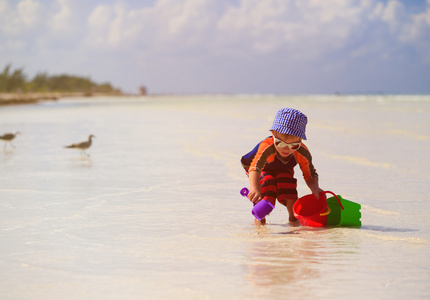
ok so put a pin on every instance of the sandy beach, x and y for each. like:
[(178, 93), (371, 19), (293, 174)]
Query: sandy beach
[(31, 98), (26, 98), (154, 211)]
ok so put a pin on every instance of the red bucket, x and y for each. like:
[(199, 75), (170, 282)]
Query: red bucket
[(311, 211)]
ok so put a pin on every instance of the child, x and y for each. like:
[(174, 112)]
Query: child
[(270, 165)]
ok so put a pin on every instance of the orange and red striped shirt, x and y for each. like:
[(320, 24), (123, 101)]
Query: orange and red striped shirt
[(264, 157)]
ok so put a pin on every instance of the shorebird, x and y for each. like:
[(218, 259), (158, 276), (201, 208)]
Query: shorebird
[(82, 146), (8, 137)]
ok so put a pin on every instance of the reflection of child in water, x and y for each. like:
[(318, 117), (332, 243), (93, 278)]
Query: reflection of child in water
[(270, 165)]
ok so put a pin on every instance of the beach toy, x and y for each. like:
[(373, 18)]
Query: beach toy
[(350, 216), (244, 192), (261, 209), (311, 211)]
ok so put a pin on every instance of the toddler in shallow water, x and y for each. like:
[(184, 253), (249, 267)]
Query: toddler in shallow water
[(270, 165)]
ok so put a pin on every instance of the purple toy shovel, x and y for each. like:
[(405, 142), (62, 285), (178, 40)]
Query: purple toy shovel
[(261, 209)]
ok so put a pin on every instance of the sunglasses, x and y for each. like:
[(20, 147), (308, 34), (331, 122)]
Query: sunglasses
[(281, 144)]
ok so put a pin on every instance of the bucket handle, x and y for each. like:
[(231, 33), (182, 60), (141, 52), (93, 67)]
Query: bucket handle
[(325, 192), (327, 212)]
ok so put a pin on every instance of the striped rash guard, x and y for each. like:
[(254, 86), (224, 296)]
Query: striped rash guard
[(264, 157)]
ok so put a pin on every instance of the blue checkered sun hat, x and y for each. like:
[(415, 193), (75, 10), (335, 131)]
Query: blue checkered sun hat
[(290, 121)]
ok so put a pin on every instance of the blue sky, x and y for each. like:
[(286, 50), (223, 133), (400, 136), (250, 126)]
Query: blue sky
[(230, 46)]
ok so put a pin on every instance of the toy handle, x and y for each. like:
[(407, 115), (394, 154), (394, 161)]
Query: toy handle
[(327, 212), (325, 192), (244, 192)]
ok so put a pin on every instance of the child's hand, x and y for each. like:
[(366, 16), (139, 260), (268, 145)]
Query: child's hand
[(254, 187), (314, 187), (255, 196), (317, 192)]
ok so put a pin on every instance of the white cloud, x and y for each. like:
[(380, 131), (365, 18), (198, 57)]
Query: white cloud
[(29, 12), (310, 29), (302, 29), (3, 6), (417, 28), (99, 23), (15, 20), (168, 26), (116, 27), (291, 32), (61, 19), (393, 12)]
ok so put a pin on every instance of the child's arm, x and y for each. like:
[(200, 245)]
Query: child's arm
[(254, 186), (304, 158), (314, 186)]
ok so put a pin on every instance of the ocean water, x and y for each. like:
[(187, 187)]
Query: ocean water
[(155, 212)]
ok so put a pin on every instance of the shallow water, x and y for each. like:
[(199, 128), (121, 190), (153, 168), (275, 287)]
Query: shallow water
[(155, 213)]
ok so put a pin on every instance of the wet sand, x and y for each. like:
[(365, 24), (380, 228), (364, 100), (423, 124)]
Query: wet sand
[(155, 212)]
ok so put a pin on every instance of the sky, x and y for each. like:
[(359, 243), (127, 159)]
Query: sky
[(224, 46)]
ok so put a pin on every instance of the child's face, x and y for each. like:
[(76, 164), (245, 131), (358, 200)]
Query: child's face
[(284, 152)]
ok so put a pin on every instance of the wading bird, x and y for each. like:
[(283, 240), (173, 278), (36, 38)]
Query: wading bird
[(8, 137), (82, 146)]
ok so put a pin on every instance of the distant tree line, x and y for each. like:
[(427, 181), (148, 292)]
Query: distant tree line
[(12, 81)]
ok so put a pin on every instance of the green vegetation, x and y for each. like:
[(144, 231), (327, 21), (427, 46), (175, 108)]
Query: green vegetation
[(12, 81)]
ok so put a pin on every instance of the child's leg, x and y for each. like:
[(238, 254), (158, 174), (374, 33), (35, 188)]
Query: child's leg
[(261, 222), (287, 192), (269, 187), (269, 191), (289, 205)]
